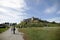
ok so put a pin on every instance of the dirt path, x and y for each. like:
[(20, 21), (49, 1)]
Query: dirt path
[(8, 35)]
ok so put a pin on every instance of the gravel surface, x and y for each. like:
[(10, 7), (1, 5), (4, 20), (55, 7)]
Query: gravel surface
[(8, 35)]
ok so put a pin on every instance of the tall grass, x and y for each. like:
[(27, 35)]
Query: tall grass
[(47, 33), (3, 29)]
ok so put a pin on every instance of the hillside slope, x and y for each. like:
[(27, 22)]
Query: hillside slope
[(36, 22)]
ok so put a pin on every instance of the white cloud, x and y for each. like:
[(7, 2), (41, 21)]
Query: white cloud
[(56, 19), (58, 12), (11, 10), (12, 3), (51, 9), (2, 10), (38, 1)]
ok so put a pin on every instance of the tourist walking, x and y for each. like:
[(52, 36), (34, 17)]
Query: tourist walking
[(13, 30)]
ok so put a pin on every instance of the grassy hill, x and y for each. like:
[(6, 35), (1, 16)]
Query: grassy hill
[(41, 33), (36, 22)]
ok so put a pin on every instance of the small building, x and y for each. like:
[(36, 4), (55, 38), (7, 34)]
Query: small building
[(2, 26)]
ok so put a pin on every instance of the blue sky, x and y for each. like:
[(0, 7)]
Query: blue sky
[(17, 10)]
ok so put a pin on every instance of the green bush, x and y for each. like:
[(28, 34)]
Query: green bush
[(3, 29)]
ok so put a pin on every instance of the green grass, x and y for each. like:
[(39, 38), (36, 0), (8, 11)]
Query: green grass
[(41, 33), (3, 29)]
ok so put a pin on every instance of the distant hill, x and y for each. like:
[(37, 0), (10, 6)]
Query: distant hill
[(36, 22)]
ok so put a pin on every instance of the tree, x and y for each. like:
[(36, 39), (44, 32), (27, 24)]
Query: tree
[(14, 24), (53, 22)]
